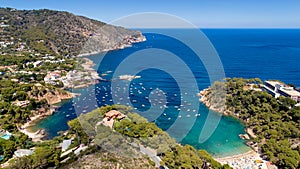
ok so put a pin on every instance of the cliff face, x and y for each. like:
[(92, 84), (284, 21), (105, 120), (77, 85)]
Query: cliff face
[(62, 32), (57, 97), (52, 96)]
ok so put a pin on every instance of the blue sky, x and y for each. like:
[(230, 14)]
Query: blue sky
[(202, 13)]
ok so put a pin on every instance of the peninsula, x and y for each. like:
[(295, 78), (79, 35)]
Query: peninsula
[(271, 122)]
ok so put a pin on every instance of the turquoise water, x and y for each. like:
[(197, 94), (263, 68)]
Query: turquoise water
[(267, 54), (5, 136), (1, 158)]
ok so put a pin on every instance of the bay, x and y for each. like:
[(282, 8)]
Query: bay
[(247, 53)]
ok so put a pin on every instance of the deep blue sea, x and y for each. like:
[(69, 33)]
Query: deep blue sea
[(247, 53)]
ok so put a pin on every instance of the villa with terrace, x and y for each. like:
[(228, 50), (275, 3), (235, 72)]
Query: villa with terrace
[(110, 117)]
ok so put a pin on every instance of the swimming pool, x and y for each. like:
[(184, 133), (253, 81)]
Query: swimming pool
[(6, 136), (1, 158)]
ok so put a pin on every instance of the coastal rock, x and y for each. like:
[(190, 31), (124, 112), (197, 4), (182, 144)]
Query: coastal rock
[(128, 77), (58, 97), (206, 99), (53, 96), (250, 132), (244, 136)]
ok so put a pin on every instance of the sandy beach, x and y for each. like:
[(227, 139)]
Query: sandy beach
[(39, 135), (248, 160), (35, 136)]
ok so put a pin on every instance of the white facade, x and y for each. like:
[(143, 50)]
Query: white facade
[(277, 89)]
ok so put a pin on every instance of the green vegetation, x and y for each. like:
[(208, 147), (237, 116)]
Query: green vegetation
[(53, 32), (10, 114), (7, 60), (182, 157), (112, 148), (187, 157), (135, 129), (142, 132), (106, 160), (276, 122), (18, 140), (34, 43), (43, 157)]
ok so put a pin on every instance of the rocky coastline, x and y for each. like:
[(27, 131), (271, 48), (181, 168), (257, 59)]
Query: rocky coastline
[(58, 97), (234, 161), (88, 63), (206, 101), (127, 42)]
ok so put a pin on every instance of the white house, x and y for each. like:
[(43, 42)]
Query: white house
[(22, 152), (277, 89)]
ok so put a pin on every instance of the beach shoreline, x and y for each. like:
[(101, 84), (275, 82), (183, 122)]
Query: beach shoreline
[(35, 136), (40, 134), (237, 156), (250, 159)]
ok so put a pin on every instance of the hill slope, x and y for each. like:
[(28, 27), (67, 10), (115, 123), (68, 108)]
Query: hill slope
[(63, 33)]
